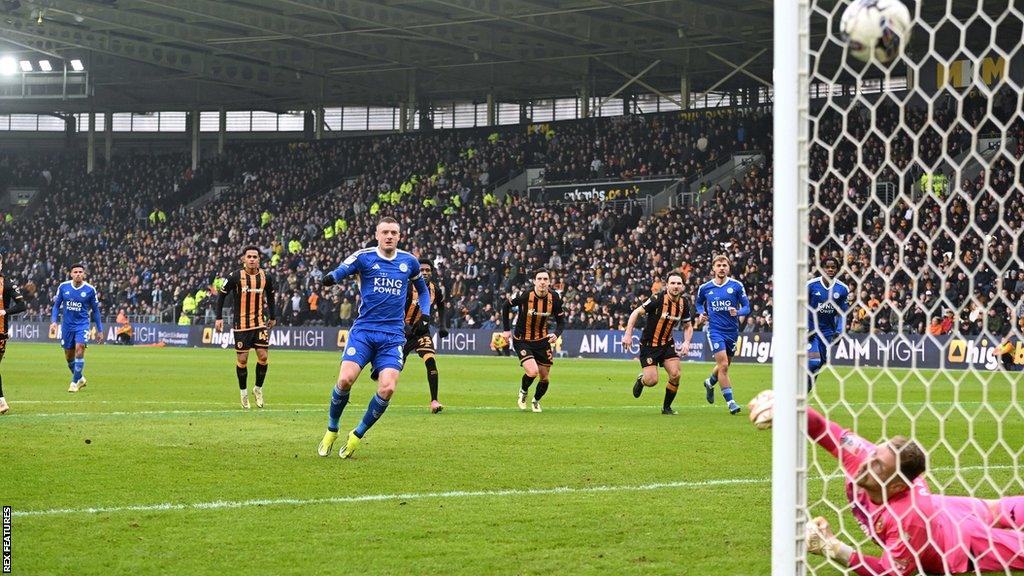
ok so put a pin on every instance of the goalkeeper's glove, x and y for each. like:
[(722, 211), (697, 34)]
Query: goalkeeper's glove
[(822, 542)]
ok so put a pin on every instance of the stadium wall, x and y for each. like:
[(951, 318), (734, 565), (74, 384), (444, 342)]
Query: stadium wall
[(882, 350)]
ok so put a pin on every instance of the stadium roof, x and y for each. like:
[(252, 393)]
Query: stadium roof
[(146, 55)]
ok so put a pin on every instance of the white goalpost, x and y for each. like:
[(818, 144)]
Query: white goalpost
[(789, 267), (910, 173)]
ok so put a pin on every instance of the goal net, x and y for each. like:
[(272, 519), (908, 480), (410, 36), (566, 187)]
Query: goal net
[(910, 176)]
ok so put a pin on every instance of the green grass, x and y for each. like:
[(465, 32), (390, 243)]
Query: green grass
[(470, 491)]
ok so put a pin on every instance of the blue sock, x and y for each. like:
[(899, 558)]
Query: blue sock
[(813, 367), (727, 393), (714, 378), (373, 413), (71, 366), (338, 402), (79, 366)]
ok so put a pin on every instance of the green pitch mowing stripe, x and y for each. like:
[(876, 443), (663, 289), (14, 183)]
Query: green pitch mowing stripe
[(155, 469)]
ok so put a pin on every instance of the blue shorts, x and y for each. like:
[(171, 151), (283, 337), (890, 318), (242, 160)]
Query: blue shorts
[(720, 342), (815, 343), (72, 335), (382, 349)]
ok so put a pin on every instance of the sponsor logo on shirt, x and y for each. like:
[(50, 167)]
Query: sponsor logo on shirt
[(392, 286)]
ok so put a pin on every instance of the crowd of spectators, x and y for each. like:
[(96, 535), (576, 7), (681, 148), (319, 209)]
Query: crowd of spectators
[(309, 204)]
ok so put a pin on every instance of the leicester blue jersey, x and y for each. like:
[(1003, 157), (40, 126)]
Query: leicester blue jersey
[(383, 286), (74, 305), (826, 307), (715, 301)]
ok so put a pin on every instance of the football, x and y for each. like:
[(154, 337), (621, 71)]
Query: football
[(875, 29), (761, 410)]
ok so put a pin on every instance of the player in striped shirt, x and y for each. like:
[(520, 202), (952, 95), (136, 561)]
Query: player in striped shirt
[(664, 311)]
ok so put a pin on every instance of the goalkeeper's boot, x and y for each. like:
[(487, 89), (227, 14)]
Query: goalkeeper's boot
[(324, 449), (709, 389), (638, 386), (350, 446)]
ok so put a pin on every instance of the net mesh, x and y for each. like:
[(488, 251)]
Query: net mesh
[(915, 186)]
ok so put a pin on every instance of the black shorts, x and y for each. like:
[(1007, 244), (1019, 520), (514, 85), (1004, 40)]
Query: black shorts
[(656, 355), (538, 350), (255, 338), (421, 342)]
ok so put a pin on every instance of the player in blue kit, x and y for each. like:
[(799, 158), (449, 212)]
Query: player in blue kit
[(378, 335), (77, 299), (721, 301), (828, 300)]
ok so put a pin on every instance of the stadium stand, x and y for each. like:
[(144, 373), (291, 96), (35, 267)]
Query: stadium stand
[(307, 205)]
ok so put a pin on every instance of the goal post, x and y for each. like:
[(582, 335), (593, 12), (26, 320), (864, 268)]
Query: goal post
[(789, 175)]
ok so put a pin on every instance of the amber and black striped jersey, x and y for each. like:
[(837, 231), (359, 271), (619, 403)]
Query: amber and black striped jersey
[(663, 315), (252, 298), (535, 311), (412, 304), (11, 301)]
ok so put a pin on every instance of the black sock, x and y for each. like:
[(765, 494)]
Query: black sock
[(670, 394), (527, 380), (1, 386), (542, 389), (261, 374), (432, 377), (243, 374), (1007, 359)]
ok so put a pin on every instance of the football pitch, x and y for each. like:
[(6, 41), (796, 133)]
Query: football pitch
[(154, 468)]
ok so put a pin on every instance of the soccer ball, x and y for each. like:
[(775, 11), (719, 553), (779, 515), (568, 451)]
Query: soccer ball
[(876, 29), (762, 409)]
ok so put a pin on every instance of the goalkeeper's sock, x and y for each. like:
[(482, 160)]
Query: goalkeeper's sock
[(727, 394), (374, 411), (339, 399)]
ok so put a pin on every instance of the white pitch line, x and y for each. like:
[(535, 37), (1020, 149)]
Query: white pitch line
[(319, 407), (235, 504), (232, 411), (229, 504)]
